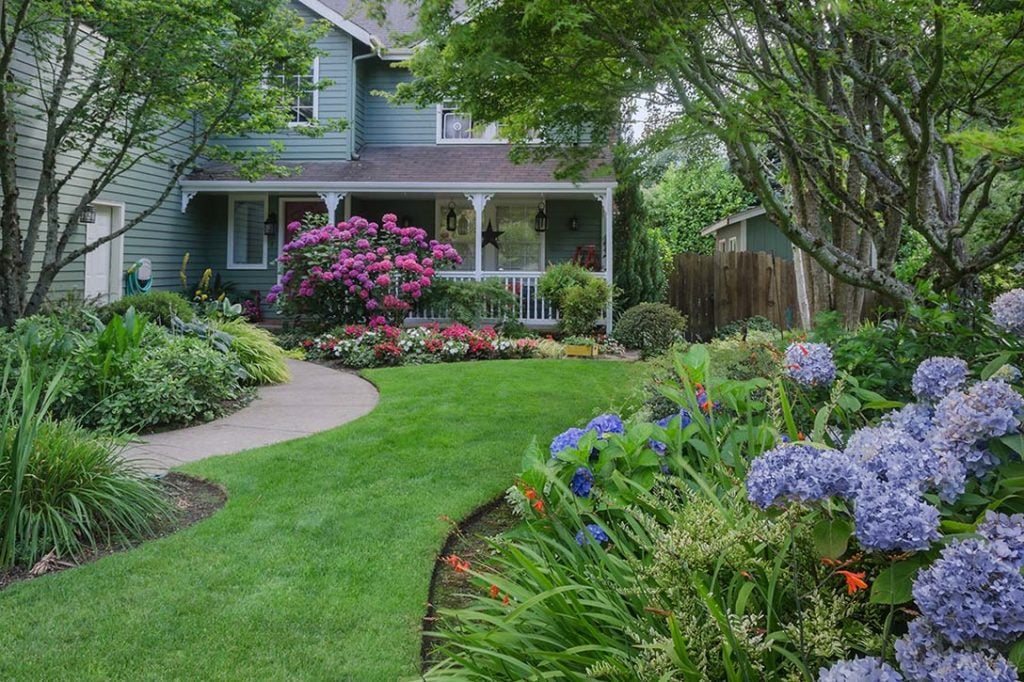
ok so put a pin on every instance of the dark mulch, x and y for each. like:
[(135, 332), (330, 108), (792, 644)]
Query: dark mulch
[(468, 541), (193, 500)]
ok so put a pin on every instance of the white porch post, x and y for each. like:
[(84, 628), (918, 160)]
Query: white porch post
[(331, 201), (479, 202), (605, 198)]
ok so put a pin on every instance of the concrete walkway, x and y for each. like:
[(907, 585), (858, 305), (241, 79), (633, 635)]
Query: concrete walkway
[(317, 399)]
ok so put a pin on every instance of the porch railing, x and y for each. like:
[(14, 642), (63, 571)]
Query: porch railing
[(533, 309)]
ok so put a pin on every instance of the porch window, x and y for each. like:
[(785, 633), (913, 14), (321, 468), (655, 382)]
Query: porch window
[(522, 247), (464, 238), (247, 243)]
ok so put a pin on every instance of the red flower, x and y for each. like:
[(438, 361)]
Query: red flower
[(457, 563), (494, 591), (854, 581), (530, 493), (505, 600), (539, 506)]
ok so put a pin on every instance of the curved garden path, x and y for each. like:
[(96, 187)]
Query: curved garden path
[(317, 399)]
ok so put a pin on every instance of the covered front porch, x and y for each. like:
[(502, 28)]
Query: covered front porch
[(510, 234)]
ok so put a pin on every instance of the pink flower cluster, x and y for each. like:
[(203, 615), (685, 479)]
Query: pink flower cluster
[(358, 270)]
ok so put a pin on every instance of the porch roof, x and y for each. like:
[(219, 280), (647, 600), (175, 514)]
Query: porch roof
[(462, 165)]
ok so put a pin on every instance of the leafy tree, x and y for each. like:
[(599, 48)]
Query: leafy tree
[(847, 120), (689, 198), (110, 85)]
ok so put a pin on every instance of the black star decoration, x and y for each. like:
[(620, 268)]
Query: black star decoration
[(490, 235)]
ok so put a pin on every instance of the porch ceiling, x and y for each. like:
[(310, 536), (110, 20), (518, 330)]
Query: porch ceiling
[(483, 164)]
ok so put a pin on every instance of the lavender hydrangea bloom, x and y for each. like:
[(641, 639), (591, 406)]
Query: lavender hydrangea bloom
[(890, 517), (915, 419), (894, 456), (860, 670), (566, 441), (937, 377), (925, 656), (799, 472), (1008, 373), (1008, 311), (581, 483), (971, 596), (989, 409), (606, 424), (810, 364), (591, 530), (950, 474), (1004, 536)]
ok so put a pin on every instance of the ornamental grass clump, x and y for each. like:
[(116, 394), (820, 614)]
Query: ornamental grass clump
[(357, 271)]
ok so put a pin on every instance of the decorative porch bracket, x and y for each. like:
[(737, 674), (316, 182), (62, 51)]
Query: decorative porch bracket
[(186, 199), (331, 201), (479, 202), (607, 206)]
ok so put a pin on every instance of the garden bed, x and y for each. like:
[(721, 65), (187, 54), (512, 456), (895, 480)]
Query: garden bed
[(193, 500)]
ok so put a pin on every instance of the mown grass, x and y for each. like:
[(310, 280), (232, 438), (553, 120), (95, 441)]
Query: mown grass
[(319, 565)]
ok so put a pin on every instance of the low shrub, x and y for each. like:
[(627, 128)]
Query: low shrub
[(558, 279), (582, 306), (756, 323), (257, 351), (159, 306), (467, 302), (358, 347), (650, 328)]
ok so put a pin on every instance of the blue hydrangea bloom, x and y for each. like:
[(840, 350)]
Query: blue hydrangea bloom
[(989, 409), (971, 595), (892, 517), (682, 419), (1004, 537), (799, 472), (810, 364), (950, 474), (591, 530), (860, 670), (925, 656), (566, 441), (581, 483), (937, 377), (1008, 373), (915, 419), (606, 424), (892, 455), (1008, 311)]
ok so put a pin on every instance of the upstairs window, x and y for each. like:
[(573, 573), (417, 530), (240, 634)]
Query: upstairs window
[(305, 108), (454, 126)]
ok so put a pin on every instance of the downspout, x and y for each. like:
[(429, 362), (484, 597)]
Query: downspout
[(353, 89)]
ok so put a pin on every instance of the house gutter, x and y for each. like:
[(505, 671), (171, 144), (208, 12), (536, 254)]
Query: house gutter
[(353, 88)]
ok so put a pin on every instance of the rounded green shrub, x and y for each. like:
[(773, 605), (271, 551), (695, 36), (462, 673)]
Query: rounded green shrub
[(558, 279), (159, 306), (77, 492), (650, 328), (582, 305)]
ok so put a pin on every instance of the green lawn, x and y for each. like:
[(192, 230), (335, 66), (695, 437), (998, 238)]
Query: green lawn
[(318, 567)]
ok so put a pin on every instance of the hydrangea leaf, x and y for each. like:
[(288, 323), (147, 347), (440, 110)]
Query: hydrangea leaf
[(894, 584), (832, 537), (993, 367), (1016, 654)]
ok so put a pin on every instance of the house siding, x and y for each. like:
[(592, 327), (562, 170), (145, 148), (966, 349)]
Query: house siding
[(762, 235), (560, 241), (334, 101), (163, 237), (386, 123)]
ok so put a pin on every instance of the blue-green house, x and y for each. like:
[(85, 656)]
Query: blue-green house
[(749, 230), (432, 167)]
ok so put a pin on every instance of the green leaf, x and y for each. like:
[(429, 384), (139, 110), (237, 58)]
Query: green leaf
[(1016, 655), (1015, 442), (894, 585), (832, 537), (993, 367)]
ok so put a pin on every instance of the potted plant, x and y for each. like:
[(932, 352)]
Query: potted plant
[(580, 347)]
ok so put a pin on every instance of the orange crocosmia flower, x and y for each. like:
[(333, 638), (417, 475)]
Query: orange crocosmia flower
[(539, 505), (530, 493), (494, 591), (854, 581), (462, 567), (803, 349), (452, 560), (505, 600), (800, 435)]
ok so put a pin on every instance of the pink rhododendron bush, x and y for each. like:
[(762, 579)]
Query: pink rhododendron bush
[(356, 271), (359, 346)]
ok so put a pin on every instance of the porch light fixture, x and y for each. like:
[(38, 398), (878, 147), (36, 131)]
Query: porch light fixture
[(88, 215), (451, 219), (574, 224), (540, 221), (270, 225)]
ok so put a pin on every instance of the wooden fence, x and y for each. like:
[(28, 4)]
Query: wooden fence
[(728, 286)]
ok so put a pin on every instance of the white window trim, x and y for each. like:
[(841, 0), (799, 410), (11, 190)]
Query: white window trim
[(734, 245), (440, 132), (316, 97), (232, 198)]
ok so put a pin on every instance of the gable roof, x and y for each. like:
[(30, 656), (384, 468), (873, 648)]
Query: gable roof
[(745, 214), (351, 16)]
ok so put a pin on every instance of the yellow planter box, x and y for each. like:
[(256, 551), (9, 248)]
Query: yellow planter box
[(573, 351)]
